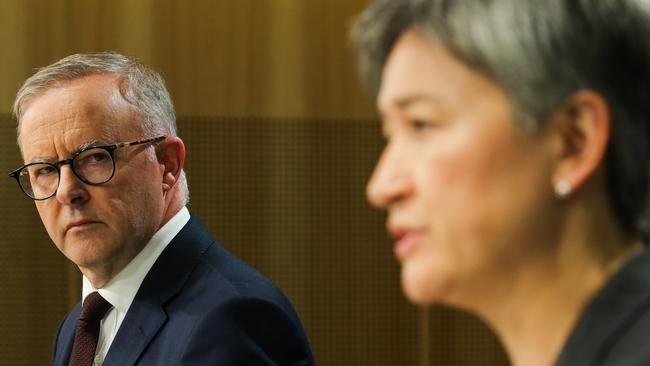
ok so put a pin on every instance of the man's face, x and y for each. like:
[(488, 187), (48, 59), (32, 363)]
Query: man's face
[(99, 228)]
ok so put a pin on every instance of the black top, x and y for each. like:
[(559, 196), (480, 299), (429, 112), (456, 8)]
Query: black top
[(614, 329)]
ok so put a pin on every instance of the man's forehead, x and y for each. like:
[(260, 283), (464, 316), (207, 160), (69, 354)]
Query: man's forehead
[(90, 102), (63, 144), (75, 124), (64, 119)]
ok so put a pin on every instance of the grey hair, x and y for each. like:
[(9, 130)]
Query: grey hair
[(541, 53), (140, 86)]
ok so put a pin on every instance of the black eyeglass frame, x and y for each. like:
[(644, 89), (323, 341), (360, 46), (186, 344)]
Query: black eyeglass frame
[(57, 165)]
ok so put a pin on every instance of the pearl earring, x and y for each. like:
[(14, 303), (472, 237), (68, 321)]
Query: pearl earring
[(562, 188)]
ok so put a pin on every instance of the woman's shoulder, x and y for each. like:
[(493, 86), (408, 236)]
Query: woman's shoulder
[(614, 327)]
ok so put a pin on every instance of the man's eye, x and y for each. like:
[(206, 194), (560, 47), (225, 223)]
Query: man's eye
[(46, 170), (96, 157), (39, 172)]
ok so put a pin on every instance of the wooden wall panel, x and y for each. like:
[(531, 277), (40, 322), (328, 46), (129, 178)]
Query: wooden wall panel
[(271, 58), (459, 339), (28, 39)]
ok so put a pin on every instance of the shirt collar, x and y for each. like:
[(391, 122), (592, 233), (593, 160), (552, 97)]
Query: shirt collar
[(121, 290)]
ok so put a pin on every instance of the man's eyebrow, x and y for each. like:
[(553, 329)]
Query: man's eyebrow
[(86, 145), (39, 159)]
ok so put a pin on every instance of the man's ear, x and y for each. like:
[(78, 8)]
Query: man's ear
[(171, 155), (582, 128)]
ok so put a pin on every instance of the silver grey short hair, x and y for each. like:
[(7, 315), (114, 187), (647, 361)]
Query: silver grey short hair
[(541, 52), (140, 86)]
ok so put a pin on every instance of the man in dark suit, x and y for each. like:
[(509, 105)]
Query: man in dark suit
[(103, 163)]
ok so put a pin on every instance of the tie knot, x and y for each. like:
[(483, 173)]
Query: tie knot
[(94, 307)]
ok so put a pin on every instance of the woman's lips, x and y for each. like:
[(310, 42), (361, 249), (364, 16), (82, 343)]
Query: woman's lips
[(405, 241)]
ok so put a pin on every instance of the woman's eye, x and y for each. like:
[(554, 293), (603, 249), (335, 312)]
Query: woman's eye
[(420, 125)]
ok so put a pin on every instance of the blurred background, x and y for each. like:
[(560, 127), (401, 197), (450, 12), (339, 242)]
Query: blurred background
[(281, 140)]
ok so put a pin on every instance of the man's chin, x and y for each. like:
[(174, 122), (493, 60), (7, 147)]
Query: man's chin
[(85, 262), (85, 253)]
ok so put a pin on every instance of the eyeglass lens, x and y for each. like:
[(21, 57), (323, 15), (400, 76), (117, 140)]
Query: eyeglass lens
[(92, 166)]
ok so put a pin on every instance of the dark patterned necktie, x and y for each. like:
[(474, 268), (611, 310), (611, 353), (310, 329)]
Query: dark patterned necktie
[(85, 339)]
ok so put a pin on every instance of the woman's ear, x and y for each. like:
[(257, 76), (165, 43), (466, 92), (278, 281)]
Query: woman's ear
[(171, 156), (582, 128)]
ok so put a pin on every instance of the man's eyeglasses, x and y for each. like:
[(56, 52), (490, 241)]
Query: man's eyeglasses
[(93, 165)]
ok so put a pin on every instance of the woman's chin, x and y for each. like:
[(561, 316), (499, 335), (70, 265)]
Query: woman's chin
[(423, 284)]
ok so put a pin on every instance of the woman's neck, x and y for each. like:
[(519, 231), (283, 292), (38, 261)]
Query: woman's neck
[(539, 306)]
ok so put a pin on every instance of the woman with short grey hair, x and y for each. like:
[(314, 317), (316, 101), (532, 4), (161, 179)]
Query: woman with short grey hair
[(515, 175)]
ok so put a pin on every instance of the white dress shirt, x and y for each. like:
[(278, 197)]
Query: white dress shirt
[(121, 290)]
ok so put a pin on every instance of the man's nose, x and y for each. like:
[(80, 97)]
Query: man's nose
[(391, 181), (71, 190)]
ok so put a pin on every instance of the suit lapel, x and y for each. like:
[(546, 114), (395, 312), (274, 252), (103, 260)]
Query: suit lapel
[(65, 338), (147, 315), (142, 322)]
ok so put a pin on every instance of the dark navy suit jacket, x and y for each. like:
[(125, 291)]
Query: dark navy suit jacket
[(200, 305), (614, 329)]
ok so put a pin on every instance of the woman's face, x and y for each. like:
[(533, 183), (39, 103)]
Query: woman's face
[(468, 193)]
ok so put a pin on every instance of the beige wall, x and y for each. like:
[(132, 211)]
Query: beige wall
[(280, 143)]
